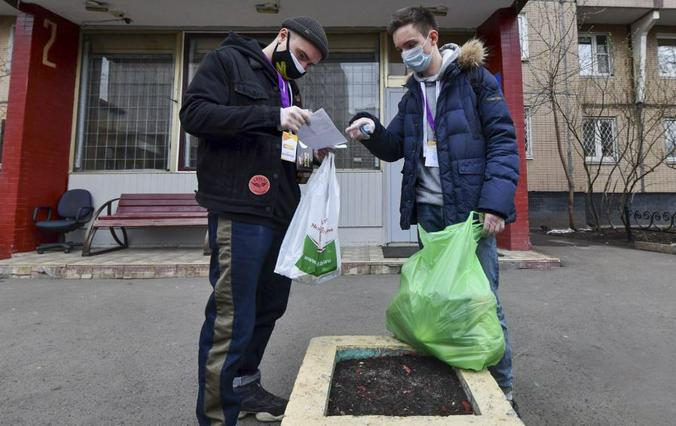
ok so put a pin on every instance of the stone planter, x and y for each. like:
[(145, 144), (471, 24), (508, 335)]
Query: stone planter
[(310, 396)]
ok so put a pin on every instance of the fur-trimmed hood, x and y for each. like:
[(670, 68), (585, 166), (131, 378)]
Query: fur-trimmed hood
[(472, 54)]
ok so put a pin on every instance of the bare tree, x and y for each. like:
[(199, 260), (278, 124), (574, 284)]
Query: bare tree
[(617, 140), (548, 91)]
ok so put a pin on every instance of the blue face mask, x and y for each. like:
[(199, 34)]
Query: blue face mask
[(416, 59)]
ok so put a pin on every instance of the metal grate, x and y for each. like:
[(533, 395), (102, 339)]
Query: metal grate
[(127, 122), (346, 84), (670, 138), (599, 139)]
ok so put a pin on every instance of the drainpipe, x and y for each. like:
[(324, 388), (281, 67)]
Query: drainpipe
[(639, 41), (566, 88)]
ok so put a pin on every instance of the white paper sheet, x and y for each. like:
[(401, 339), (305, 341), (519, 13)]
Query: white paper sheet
[(321, 133)]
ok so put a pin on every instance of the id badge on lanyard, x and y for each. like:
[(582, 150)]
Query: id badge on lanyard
[(289, 140), (430, 141)]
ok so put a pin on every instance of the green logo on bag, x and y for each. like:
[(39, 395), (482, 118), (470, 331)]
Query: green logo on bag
[(318, 261)]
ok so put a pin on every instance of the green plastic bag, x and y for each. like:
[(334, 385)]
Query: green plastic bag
[(445, 306)]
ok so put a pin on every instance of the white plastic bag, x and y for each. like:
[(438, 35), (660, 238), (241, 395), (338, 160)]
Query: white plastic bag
[(310, 251)]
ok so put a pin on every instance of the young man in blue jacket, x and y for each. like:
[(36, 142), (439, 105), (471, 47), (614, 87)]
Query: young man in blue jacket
[(244, 105), (458, 142)]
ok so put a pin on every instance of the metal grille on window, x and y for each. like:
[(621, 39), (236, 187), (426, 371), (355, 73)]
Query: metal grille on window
[(670, 138), (599, 139), (127, 117), (607, 138), (589, 139), (344, 85)]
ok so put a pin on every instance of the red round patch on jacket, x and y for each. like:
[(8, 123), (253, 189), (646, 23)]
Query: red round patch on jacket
[(259, 185)]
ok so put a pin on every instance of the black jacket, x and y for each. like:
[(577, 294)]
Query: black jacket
[(233, 106)]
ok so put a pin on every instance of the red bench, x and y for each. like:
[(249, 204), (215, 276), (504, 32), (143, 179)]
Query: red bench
[(141, 211)]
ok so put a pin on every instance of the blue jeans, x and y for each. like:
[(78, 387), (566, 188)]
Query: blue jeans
[(247, 299), (431, 218)]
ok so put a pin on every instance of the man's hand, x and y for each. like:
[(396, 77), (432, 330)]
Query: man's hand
[(353, 131), (293, 118), (320, 154), (493, 224)]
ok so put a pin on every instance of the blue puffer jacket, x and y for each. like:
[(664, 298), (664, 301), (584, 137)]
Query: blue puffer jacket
[(478, 156)]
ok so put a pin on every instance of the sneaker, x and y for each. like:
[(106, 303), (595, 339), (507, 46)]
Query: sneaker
[(261, 403)]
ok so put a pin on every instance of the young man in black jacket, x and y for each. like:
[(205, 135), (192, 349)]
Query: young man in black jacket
[(244, 107)]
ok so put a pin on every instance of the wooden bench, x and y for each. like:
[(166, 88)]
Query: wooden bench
[(143, 211)]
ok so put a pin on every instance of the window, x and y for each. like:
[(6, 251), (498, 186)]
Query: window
[(670, 139), (599, 140), (125, 116), (666, 55), (346, 83), (199, 46), (523, 36), (527, 134), (594, 54)]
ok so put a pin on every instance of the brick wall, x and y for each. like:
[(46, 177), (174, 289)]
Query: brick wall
[(501, 34), (38, 129)]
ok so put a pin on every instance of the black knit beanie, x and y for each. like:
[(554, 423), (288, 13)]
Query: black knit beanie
[(310, 30)]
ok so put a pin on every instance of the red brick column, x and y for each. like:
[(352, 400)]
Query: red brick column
[(38, 127), (500, 33)]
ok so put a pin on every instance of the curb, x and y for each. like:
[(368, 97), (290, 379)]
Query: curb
[(129, 272)]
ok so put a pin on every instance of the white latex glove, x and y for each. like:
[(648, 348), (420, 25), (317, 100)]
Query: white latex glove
[(493, 224), (353, 131), (293, 118)]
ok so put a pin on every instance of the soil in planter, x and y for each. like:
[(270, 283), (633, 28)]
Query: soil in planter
[(403, 385)]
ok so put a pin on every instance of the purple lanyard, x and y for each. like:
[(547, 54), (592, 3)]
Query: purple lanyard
[(428, 110), (284, 91)]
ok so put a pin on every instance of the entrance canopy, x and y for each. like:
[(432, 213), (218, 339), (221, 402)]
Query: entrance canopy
[(243, 14)]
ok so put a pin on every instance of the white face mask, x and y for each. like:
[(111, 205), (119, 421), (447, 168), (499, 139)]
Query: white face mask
[(416, 59)]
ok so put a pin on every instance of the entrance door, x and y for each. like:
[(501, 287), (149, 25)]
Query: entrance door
[(393, 177)]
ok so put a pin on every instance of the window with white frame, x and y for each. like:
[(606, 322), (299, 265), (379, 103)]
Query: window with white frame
[(670, 139), (599, 139), (523, 36), (594, 54), (666, 55), (528, 134)]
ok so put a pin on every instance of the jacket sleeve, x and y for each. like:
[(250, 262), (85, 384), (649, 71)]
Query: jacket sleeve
[(502, 157), (386, 143), (206, 112)]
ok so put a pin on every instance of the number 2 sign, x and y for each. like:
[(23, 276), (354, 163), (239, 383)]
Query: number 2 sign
[(45, 51)]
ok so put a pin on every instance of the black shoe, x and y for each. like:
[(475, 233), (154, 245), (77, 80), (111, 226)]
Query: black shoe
[(510, 398), (264, 405), (515, 406)]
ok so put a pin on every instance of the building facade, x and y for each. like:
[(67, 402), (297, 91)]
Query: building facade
[(612, 67), (104, 86)]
